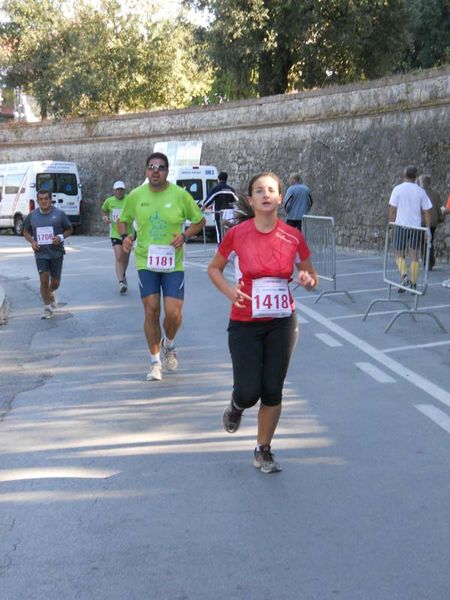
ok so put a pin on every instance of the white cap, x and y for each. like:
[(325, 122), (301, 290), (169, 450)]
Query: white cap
[(119, 185)]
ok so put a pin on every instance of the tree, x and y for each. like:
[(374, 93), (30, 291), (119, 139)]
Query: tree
[(273, 46), (32, 38), (429, 28), (102, 59)]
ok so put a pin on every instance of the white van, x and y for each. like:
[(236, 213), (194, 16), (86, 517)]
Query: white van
[(19, 183), (198, 181)]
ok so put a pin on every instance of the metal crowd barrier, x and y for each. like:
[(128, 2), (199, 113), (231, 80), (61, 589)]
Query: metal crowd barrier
[(320, 237), (405, 268)]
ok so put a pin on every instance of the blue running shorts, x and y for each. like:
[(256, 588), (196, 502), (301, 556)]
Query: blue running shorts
[(171, 284)]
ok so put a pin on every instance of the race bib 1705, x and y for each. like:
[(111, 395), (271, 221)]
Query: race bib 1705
[(44, 235)]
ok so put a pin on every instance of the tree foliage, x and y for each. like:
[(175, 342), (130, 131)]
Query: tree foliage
[(429, 29), (262, 47), (106, 56), (101, 60)]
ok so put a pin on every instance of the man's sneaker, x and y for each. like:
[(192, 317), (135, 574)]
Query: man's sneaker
[(169, 357), (264, 459), (446, 283), (123, 287), (232, 418), (413, 286), (47, 314), (53, 300), (154, 373), (405, 282)]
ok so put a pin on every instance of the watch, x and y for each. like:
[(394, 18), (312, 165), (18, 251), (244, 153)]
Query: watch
[(185, 237)]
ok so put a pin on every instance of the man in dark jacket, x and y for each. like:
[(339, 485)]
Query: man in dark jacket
[(222, 197)]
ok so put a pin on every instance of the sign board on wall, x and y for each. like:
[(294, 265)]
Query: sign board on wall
[(180, 153)]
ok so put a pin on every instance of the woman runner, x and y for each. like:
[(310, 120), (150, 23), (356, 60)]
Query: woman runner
[(263, 330)]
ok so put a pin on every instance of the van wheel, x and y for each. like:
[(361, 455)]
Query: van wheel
[(18, 225)]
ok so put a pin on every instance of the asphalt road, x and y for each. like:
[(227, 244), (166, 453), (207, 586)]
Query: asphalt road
[(115, 488)]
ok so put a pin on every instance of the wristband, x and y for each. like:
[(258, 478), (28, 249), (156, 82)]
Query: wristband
[(61, 237), (185, 237)]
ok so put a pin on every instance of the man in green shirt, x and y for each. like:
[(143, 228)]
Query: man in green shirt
[(160, 210), (111, 209)]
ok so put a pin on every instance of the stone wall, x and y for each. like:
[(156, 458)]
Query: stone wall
[(350, 143)]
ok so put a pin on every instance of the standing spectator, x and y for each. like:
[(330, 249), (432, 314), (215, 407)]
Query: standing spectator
[(46, 228), (111, 208), (222, 197), (436, 216), (445, 210), (297, 201), (406, 204)]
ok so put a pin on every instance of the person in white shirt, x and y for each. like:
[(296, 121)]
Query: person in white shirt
[(407, 203)]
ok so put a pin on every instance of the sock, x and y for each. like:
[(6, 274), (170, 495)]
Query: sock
[(414, 268), (168, 344), (48, 307), (154, 358), (401, 265)]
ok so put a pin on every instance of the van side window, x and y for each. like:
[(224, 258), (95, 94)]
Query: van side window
[(46, 181), (66, 184), (193, 186), (57, 183), (13, 183)]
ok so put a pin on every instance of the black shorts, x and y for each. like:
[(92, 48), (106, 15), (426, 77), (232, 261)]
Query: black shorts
[(406, 238), (50, 265), (260, 353), (116, 241)]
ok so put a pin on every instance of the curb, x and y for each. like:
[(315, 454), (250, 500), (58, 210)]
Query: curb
[(3, 307)]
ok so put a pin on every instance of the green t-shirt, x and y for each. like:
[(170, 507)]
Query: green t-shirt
[(112, 206), (158, 216)]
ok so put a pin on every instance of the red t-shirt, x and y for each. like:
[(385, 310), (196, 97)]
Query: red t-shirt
[(259, 254)]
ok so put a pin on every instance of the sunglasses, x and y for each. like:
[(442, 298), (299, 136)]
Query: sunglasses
[(155, 168)]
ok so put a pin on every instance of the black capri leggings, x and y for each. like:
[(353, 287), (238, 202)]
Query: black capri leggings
[(260, 353)]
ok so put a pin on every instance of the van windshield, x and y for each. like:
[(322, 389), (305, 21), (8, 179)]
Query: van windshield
[(57, 183), (193, 186)]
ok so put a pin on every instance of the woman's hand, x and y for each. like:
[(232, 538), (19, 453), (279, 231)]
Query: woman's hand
[(237, 296), (306, 280)]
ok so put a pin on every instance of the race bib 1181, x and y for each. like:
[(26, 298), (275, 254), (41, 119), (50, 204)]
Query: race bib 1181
[(161, 258)]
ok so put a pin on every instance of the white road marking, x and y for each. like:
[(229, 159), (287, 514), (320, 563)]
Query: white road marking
[(387, 312), (328, 340), (436, 415), (420, 382), (416, 346), (375, 372)]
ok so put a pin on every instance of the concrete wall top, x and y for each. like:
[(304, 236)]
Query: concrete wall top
[(417, 90)]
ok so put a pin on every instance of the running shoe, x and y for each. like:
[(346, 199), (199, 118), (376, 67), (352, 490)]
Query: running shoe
[(169, 357), (123, 287), (264, 459), (405, 282), (47, 314), (446, 283), (232, 418), (154, 373), (53, 300)]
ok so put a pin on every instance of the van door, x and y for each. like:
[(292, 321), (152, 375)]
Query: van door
[(13, 188), (64, 190)]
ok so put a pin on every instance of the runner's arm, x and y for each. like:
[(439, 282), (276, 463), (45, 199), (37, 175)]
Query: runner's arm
[(193, 229), (307, 275), (215, 272)]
